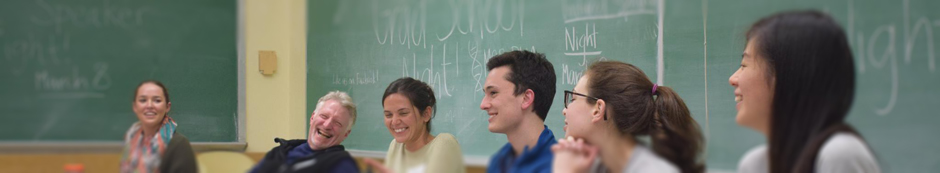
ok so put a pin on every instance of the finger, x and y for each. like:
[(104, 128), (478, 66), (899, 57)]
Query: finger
[(592, 151), (566, 146), (578, 144), (371, 162), (563, 144)]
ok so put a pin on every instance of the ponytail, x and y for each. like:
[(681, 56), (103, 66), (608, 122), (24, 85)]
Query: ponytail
[(638, 107), (677, 137)]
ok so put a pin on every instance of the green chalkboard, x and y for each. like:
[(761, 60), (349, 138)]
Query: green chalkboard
[(692, 46), (69, 68), (361, 46), (896, 100)]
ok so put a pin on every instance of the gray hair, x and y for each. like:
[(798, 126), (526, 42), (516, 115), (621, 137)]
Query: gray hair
[(345, 100)]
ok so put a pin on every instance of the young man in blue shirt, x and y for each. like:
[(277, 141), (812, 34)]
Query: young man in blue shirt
[(518, 93)]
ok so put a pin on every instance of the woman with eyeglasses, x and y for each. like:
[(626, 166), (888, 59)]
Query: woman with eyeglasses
[(614, 104)]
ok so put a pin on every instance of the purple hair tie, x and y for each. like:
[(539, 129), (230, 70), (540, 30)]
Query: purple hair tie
[(654, 88)]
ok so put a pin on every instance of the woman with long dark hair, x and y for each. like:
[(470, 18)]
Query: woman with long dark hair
[(795, 86)]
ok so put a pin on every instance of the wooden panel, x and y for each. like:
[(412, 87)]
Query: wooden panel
[(470, 169), (26, 163), (102, 162)]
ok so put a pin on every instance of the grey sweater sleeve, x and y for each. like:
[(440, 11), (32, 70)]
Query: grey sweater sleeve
[(755, 161), (179, 156), (844, 152)]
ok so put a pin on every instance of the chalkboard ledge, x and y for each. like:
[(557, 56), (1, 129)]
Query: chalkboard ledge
[(476, 161), (101, 147)]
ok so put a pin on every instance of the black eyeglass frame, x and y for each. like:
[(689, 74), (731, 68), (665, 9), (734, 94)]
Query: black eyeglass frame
[(568, 96)]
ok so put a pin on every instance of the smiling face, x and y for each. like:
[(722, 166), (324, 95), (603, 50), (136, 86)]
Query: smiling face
[(329, 125), (579, 113), (753, 90), (150, 105), (503, 107), (404, 121)]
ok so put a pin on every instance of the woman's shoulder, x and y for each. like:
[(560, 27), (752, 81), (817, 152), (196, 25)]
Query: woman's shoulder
[(445, 141), (446, 137), (755, 160), (645, 160), (179, 155), (179, 141), (179, 138), (846, 152), (844, 144), (445, 155)]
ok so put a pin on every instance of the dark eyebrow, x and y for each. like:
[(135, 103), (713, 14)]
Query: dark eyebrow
[(402, 109), (489, 88)]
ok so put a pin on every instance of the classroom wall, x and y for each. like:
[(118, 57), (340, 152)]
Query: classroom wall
[(275, 104)]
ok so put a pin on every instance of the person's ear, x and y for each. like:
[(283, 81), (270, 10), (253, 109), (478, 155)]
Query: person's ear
[(426, 115), (528, 98), (599, 111), (168, 106)]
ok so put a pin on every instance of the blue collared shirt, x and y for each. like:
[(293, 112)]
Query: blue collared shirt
[(535, 159)]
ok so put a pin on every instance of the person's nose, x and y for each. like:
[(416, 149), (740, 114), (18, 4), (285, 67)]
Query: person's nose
[(396, 120), (329, 123), (733, 80), (149, 104), (564, 112), (485, 104)]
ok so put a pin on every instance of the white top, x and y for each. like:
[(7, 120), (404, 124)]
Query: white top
[(440, 155), (641, 160), (843, 152)]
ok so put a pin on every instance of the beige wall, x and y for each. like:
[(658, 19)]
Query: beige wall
[(275, 105)]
